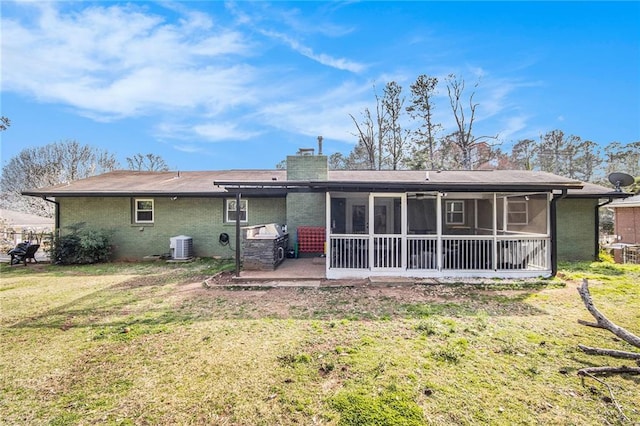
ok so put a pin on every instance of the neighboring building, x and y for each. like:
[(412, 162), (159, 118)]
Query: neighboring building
[(19, 226), (494, 223), (626, 217)]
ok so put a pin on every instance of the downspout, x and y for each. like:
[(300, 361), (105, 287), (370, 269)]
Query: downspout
[(554, 233), (57, 212), (238, 234), (596, 254)]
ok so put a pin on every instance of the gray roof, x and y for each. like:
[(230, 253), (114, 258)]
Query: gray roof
[(25, 220), (273, 182), (125, 183)]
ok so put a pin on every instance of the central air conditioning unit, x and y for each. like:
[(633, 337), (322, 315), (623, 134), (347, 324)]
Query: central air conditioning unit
[(181, 247)]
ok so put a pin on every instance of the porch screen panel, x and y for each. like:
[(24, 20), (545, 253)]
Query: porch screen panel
[(387, 227), (421, 215)]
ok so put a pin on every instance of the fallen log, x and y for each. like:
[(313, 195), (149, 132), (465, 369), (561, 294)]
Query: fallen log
[(602, 321), (609, 352), (608, 370)]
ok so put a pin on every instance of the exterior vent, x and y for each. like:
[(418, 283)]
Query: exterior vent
[(181, 247)]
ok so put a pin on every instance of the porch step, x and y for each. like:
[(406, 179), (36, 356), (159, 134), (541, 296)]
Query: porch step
[(292, 283), (391, 281)]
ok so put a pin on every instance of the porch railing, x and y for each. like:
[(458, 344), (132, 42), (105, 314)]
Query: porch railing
[(463, 253), (349, 251)]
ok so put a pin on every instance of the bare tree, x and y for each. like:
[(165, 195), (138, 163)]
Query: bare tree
[(381, 129), (367, 151), (424, 137), (149, 162), (49, 165), (463, 137)]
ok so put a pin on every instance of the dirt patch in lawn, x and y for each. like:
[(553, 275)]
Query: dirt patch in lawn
[(220, 298)]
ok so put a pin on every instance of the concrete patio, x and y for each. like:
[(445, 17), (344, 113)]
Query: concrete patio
[(308, 272)]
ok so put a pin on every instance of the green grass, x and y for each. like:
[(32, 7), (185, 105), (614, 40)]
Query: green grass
[(122, 344)]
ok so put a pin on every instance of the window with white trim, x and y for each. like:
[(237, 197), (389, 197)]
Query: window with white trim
[(517, 212), (454, 212), (231, 210), (143, 210)]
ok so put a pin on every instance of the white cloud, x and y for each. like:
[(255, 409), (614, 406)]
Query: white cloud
[(118, 61), (203, 82), (322, 58), (223, 132)]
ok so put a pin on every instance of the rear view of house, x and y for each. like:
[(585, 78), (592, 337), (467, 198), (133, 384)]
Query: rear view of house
[(495, 223)]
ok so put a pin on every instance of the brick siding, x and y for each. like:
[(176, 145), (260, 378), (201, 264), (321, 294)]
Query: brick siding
[(200, 218), (576, 229), (627, 224)]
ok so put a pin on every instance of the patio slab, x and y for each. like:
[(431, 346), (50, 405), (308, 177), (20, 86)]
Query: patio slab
[(301, 269)]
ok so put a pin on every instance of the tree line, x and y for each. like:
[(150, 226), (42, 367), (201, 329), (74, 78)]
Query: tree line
[(59, 163), (403, 133), (397, 133)]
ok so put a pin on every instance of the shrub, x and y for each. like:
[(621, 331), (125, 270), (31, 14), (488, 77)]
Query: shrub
[(605, 256), (82, 246)]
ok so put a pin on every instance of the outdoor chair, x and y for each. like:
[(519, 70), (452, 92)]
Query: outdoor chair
[(20, 254)]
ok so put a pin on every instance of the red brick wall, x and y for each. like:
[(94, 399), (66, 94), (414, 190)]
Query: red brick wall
[(627, 224)]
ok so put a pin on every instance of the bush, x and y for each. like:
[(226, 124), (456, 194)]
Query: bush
[(605, 256), (82, 246)]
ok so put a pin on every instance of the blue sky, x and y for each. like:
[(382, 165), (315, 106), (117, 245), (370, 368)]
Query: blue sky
[(227, 85)]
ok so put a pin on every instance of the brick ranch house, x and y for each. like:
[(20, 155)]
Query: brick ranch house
[(493, 223)]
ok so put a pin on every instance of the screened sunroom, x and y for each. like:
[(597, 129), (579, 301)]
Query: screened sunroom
[(432, 234)]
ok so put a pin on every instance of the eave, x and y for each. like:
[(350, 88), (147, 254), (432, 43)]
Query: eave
[(323, 186)]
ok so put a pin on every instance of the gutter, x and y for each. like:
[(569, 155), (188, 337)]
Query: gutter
[(554, 233)]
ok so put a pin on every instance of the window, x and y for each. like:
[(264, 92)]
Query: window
[(517, 212), (232, 211), (143, 210), (454, 212)]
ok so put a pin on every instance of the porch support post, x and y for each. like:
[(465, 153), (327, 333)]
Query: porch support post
[(370, 230), (238, 234), (439, 231), (494, 225), (328, 253), (404, 231)]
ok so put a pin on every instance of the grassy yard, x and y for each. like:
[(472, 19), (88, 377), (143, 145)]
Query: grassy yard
[(149, 344)]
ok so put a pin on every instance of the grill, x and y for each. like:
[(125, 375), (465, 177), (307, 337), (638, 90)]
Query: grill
[(264, 246)]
